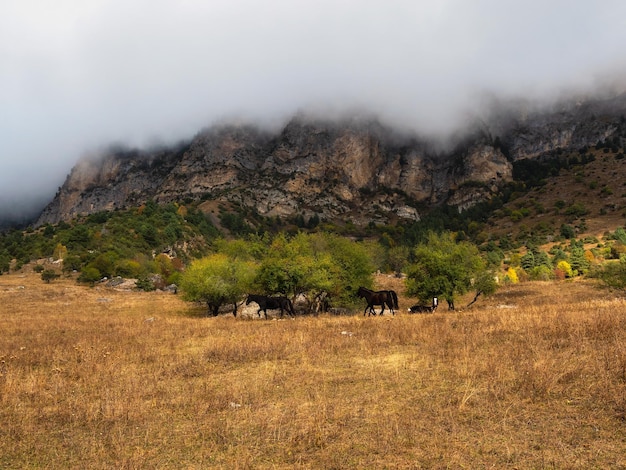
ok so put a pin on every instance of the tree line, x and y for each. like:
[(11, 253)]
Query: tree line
[(327, 269), (323, 265)]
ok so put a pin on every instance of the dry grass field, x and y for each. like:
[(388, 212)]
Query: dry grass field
[(534, 377)]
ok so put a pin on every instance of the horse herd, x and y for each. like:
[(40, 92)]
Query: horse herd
[(382, 298)]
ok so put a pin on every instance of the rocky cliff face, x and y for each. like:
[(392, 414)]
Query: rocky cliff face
[(356, 170)]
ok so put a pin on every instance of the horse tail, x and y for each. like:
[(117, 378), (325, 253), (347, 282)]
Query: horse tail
[(292, 312), (394, 298)]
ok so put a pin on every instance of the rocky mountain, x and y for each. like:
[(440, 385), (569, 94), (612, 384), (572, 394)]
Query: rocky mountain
[(352, 170)]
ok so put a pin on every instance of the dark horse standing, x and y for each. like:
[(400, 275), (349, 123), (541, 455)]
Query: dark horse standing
[(381, 297), (273, 303)]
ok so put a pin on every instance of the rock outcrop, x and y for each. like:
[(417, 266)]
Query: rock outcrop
[(355, 170)]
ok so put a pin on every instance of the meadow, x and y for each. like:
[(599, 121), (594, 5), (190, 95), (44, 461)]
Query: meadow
[(533, 377)]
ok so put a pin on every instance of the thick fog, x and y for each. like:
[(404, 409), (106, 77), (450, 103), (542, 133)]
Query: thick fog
[(78, 75)]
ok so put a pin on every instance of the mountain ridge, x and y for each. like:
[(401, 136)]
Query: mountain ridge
[(356, 170)]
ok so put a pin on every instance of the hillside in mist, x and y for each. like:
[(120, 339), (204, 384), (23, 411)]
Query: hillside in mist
[(355, 169)]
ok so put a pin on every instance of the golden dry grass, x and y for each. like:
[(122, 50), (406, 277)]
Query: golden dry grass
[(533, 378)]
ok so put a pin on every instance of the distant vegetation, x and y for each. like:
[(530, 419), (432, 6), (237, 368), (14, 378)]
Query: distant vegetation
[(310, 256), (120, 243)]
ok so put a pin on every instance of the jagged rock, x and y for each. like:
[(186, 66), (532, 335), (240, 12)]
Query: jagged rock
[(353, 170)]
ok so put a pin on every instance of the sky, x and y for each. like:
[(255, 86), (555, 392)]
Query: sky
[(79, 75)]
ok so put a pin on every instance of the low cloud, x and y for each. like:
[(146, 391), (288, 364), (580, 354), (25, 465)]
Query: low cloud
[(79, 75)]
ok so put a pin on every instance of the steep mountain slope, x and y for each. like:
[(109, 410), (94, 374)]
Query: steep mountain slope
[(352, 170)]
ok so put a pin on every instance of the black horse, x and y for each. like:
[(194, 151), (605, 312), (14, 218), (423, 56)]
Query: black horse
[(381, 297), (425, 308), (273, 303)]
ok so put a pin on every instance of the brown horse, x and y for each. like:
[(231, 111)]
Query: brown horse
[(381, 297)]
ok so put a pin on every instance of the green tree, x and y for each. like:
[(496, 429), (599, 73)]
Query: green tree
[(527, 262), (537, 264), (620, 235), (105, 263), (567, 231), (446, 268), (5, 262), (252, 248), (216, 280), (78, 237), (319, 266), (60, 251), (398, 257), (296, 266), (89, 275), (71, 263), (351, 265), (613, 274), (577, 260), (483, 284), (129, 268)]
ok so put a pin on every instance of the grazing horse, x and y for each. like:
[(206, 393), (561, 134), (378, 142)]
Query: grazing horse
[(381, 297), (273, 303), (424, 308)]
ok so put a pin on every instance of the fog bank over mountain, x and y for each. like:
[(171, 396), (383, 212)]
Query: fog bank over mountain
[(78, 76)]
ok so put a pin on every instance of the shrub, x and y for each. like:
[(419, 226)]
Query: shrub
[(511, 276), (565, 268), (60, 251), (90, 275), (577, 209), (541, 273), (613, 274), (129, 268), (145, 284), (567, 231), (71, 263), (49, 275)]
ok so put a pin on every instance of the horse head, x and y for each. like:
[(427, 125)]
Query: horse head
[(248, 300)]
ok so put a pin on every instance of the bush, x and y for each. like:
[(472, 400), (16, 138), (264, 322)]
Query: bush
[(129, 268), (576, 210), (511, 276), (541, 273), (90, 275), (565, 268), (49, 275), (606, 191), (71, 263), (145, 284), (567, 231), (613, 274)]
